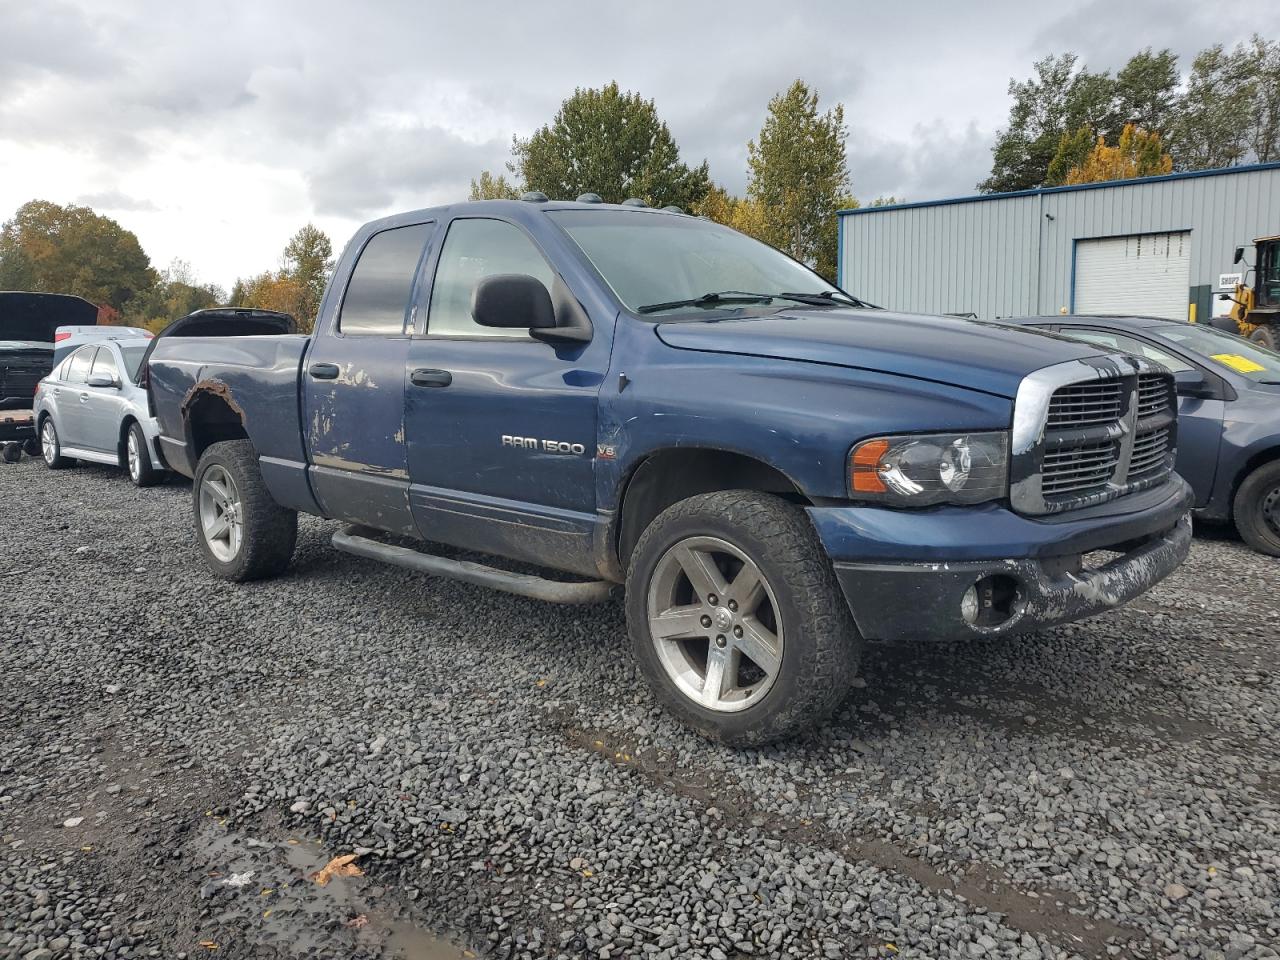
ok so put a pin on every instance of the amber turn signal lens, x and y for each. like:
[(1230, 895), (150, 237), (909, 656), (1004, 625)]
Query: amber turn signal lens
[(865, 466)]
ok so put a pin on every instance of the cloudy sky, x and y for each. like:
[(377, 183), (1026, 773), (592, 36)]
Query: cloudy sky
[(214, 130)]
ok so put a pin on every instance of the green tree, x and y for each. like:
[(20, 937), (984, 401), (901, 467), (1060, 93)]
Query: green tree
[(612, 143), (1058, 98), (799, 176), (1146, 94), (1260, 59), (1210, 131), (175, 293), (50, 248), (489, 187), (1073, 150), (308, 261)]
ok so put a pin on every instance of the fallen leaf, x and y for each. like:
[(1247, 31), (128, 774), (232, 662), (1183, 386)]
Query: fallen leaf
[(893, 947), (343, 866), (265, 914), (208, 945), (356, 922), (541, 683), (266, 892)]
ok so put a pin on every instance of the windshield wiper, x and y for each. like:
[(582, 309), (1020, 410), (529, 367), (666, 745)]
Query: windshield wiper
[(826, 296), (707, 300)]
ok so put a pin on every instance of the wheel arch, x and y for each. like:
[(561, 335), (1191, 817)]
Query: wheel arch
[(122, 439), (210, 414), (1259, 459), (667, 476)]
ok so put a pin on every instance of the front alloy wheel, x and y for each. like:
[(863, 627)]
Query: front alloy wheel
[(714, 624), (221, 517)]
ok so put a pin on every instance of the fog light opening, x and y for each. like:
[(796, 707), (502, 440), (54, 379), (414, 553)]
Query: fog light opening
[(991, 601)]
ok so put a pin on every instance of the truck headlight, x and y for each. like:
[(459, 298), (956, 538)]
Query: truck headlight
[(922, 469)]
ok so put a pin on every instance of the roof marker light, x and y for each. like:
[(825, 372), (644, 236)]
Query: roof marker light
[(589, 198), (533, 196)]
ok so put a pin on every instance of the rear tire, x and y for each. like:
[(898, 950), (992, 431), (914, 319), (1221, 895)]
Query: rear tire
[(762, 604), (51, 446), (1256, 509), (242, 532), (137, 459), (1266, 337)]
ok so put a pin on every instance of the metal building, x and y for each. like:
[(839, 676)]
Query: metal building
[(1160, 246)]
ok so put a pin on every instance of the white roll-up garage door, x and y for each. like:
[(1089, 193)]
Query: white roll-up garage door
[(1146, 275)]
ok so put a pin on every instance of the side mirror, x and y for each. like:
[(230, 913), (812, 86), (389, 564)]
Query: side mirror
[(1194, 384), (512, 300), (102, 380), (1239, 255)]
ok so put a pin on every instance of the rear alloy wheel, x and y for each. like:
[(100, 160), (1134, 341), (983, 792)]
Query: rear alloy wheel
[(138, 459), (243, 533), (1257, 509), (736, 618), (50, 447)]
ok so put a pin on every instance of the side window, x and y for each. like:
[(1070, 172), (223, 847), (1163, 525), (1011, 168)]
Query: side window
[(105, 363), (1127, 344), (78, 364), (473, 250), (378, 293)]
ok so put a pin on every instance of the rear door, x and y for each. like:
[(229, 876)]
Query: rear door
[(501, 427), (72, 394), (353, 386)]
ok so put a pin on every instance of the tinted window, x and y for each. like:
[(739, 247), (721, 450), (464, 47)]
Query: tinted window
[(378, 293), (476, 249), (77, 367), (1128, 344), (132, 359), (1225, 350), (106, 364)]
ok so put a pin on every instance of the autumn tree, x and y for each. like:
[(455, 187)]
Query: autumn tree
[(308, 261), (50, 248), (489, 187), (1136, 153), (799, 176), (608, 142), (176, 293), (297, 286)]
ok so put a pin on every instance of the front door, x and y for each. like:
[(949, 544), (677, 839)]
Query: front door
[(101, 410), (501, 427), (353, 385)]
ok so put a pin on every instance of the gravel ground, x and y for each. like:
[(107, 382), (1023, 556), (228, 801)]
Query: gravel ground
[(178, 755)]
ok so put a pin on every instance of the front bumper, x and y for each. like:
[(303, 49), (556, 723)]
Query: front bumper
[(16, 425), (894, 598)]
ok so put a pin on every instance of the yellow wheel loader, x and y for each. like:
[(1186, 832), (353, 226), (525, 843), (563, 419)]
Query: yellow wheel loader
[(1255, 308)]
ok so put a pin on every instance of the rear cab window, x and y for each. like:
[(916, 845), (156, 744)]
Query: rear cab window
[(376, 302)]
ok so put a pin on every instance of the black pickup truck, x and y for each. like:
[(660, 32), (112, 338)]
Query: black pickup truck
[(617, 394)]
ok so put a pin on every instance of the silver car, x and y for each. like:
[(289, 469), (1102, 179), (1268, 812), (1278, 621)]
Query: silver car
[(91, 408)]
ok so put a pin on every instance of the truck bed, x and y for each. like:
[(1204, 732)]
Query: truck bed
[(259, 371)]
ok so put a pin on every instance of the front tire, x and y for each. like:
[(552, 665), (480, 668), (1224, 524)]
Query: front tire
[(137, 459), (51, 446), (1256, 509), (242, 532), (736, 619)]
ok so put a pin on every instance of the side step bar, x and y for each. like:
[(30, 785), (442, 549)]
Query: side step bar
[(553, 591)]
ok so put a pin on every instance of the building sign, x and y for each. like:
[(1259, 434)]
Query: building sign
[(1228, 281)]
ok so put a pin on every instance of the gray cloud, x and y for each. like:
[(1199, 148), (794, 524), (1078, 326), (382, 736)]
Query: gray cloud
[(112, 201)]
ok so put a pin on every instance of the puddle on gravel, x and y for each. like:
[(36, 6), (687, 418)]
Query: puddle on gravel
[(264, 893)]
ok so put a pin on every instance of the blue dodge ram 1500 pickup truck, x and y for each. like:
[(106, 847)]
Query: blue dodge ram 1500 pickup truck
[(629, 395)]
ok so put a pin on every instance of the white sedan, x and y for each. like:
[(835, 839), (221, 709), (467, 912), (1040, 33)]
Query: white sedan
[(92, 408)]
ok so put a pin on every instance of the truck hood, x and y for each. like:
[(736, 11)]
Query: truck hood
[(973, 354)]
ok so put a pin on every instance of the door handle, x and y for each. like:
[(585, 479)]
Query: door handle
[(84, 397), (324, 371), (431, 378)]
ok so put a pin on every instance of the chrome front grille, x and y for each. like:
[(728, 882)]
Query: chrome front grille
[(1154, 391), (1083, 404), (1090, 431)]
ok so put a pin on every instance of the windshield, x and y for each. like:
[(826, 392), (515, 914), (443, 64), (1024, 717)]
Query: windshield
[(658, 263), (132, 358), (1225, 349)]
